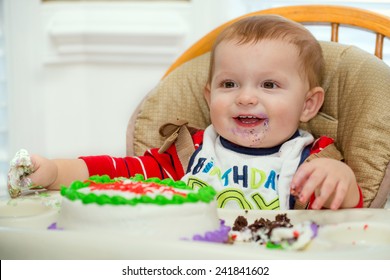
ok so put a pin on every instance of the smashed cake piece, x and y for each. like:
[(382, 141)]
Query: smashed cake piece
[(20, 167), (279, 233)]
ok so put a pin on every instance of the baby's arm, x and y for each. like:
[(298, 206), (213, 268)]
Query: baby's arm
[(332, 181), (52, 173), (35, 171), (29, 173)]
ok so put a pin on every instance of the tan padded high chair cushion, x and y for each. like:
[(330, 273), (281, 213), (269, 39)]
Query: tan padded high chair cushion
[(356, 112)]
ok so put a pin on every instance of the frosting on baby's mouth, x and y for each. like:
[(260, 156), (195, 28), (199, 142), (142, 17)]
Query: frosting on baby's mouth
[(252, 128)]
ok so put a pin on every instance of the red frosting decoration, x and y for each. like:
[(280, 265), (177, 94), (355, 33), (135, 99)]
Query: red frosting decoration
[(135, 187)]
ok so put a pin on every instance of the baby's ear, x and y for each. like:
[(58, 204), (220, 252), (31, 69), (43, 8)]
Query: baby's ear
[(207, 93), (313, 103)]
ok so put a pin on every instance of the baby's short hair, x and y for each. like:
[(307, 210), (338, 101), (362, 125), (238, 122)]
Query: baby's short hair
[(272, 27)]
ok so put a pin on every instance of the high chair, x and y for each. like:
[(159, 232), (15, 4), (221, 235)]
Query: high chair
[(356, 111)]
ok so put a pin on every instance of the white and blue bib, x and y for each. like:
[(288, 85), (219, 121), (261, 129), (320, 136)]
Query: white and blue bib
[(247, 178)]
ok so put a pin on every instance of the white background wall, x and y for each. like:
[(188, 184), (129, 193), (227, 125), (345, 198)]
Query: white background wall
[(76, 70)]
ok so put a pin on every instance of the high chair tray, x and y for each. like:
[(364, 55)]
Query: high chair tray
[(343, 234)]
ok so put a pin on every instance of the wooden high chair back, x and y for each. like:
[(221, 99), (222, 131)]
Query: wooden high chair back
[(335, 16), (357, 95)]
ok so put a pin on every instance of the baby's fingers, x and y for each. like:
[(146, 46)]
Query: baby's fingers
[(311, 186), (324, 192), (339, 195), (298, 181), (45, 171), (305, 181), (311, 179)]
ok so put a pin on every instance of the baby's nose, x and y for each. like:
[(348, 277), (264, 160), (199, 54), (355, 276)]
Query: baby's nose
[(247, 96)]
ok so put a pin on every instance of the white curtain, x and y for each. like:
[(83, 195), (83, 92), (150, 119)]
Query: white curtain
[(3, 111)]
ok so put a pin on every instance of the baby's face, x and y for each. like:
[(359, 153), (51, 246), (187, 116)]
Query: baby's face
[(257, 94)]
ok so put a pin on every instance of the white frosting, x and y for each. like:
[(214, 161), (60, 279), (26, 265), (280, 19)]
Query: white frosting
[(20, 167), (170, 221), (242, 236), (302, 232)]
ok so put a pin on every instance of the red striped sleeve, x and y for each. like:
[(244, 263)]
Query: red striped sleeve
[(151, 164)]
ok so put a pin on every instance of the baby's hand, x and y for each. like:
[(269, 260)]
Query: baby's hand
[(332, 181), (45, 171)]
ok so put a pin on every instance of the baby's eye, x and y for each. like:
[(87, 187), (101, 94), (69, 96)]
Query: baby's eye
[(269, 85), (228, 84)]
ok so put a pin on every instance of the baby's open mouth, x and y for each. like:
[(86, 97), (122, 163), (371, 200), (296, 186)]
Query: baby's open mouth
[(250, 120)]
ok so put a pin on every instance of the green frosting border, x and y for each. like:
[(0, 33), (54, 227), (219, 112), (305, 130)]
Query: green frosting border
[(205, 194)]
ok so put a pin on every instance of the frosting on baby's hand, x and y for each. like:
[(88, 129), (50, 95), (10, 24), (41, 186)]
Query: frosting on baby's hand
[(20, 167)]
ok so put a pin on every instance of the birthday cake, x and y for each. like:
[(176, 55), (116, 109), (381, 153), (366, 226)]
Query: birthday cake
[(151, 208), (276, 234)]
